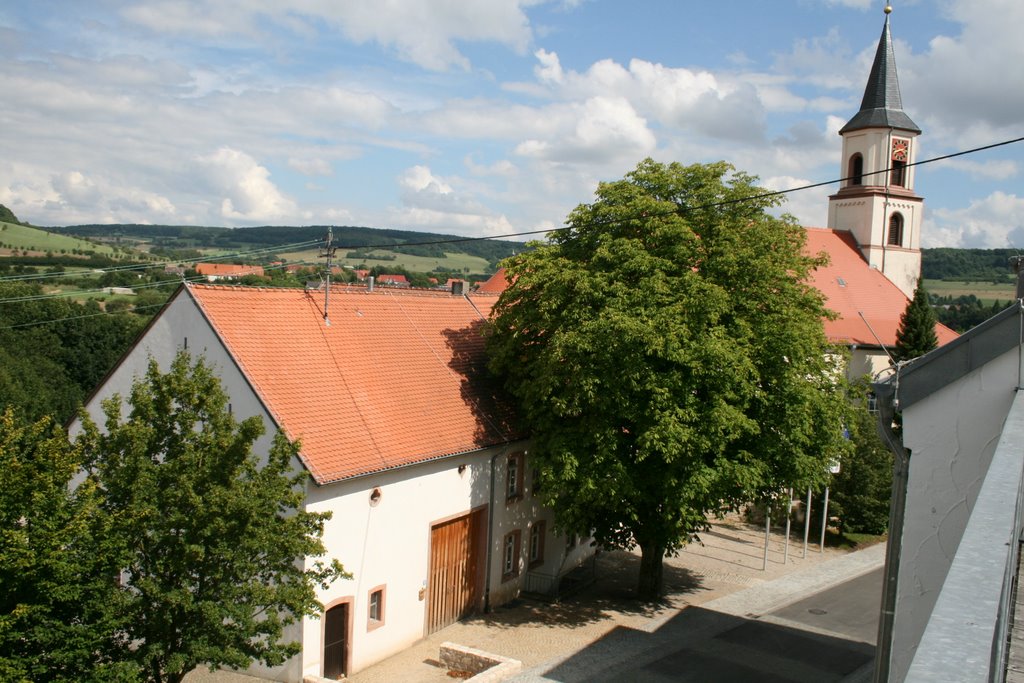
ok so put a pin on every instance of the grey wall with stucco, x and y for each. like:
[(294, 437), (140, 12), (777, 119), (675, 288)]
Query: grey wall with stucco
[(952, 434)]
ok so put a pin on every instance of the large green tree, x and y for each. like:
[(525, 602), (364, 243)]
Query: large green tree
[(217, 550), (58, 601), (916, 334), (667, 353)]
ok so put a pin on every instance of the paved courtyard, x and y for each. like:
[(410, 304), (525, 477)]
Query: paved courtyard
[(723, 572)]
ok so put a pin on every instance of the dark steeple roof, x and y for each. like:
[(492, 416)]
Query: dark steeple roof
[(882, 106)]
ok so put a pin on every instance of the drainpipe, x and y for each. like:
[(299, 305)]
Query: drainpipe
[(888, 404), (490, 533)]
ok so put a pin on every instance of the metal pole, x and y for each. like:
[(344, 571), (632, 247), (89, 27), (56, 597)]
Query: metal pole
[(767, 534), (807, 521), (789, 517), (824, 520)]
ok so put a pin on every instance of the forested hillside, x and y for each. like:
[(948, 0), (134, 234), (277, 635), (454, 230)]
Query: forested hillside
[(990, 265), (345, 237)]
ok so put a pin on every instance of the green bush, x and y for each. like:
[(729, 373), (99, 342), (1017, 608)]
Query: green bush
[(861, 490)]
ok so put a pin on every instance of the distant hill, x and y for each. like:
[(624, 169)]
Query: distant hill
[(969, 265), (7, 216), (20, 237), (346, 238)]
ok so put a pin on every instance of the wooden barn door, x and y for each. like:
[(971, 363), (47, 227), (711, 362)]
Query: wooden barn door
[(336, 642), (456, 568)]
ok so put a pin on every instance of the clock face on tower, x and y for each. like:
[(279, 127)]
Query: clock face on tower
[(900, 150)]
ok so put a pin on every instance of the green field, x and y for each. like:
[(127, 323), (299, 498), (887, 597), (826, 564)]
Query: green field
[(985, 291), (14, 236), (418, 264)]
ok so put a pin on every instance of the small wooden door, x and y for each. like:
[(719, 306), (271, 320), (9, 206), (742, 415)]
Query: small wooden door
[(336, 642), (456, 569)]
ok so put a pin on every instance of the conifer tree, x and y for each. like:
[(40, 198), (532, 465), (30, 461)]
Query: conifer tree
[(916, 334)]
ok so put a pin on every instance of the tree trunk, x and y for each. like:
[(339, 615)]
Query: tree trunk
[(648, 586)]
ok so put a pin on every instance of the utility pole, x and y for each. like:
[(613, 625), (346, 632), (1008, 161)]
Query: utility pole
[(328, 252)]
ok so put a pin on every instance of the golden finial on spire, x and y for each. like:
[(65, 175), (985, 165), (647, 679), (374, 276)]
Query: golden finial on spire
[(888, 8)]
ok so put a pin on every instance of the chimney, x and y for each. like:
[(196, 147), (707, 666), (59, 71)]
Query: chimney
[(369, 283), (458, 287)]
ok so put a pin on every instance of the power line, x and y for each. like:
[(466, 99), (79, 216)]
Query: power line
[(458, 240), (539, 231)]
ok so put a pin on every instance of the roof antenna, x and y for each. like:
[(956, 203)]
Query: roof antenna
[(328, 252)]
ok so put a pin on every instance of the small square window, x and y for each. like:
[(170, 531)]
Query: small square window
[(375, 609)]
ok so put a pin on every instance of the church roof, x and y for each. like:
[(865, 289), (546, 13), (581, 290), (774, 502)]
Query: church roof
[(867, 302), (882, 106), (395, 379)]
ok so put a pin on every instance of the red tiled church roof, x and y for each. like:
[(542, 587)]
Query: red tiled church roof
[(395, 379), (852, 287)]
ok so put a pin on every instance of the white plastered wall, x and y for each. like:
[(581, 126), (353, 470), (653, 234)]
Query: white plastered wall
[(952, 435), (388, 544)]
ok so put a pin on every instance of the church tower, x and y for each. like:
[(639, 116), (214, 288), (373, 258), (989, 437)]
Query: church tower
[(876, 201)]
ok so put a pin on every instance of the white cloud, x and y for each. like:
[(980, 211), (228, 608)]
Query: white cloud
[(549, 70), (997, 221), (972, 78), (600, 130), (502, 168), (425, 33), (429, 201), (311, 167), (993, 169), (248, 193)]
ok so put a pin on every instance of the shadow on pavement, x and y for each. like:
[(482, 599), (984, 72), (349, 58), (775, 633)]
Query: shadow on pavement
[(614, 590), (700, 645)]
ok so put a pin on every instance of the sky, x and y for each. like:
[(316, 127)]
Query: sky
[(485, 117)]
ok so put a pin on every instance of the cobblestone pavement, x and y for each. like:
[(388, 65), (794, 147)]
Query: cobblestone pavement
[(727, 562)]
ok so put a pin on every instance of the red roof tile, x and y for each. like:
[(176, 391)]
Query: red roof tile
[(852, 287), (496, 284), (395, 379)]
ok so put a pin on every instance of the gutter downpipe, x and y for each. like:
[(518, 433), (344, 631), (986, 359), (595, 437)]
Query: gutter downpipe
[(888, 410), (490, 533)]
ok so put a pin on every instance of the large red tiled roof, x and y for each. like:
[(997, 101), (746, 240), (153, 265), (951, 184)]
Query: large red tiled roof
[(396, 378), (852, 287)]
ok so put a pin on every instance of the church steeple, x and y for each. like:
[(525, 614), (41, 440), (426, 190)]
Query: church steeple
[(876, 202), (882, 106)]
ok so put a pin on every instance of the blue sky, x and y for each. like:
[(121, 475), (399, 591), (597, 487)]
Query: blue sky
[(484, 117)]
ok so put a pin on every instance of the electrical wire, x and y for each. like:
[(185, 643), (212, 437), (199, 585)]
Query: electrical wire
[(458, 240)]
